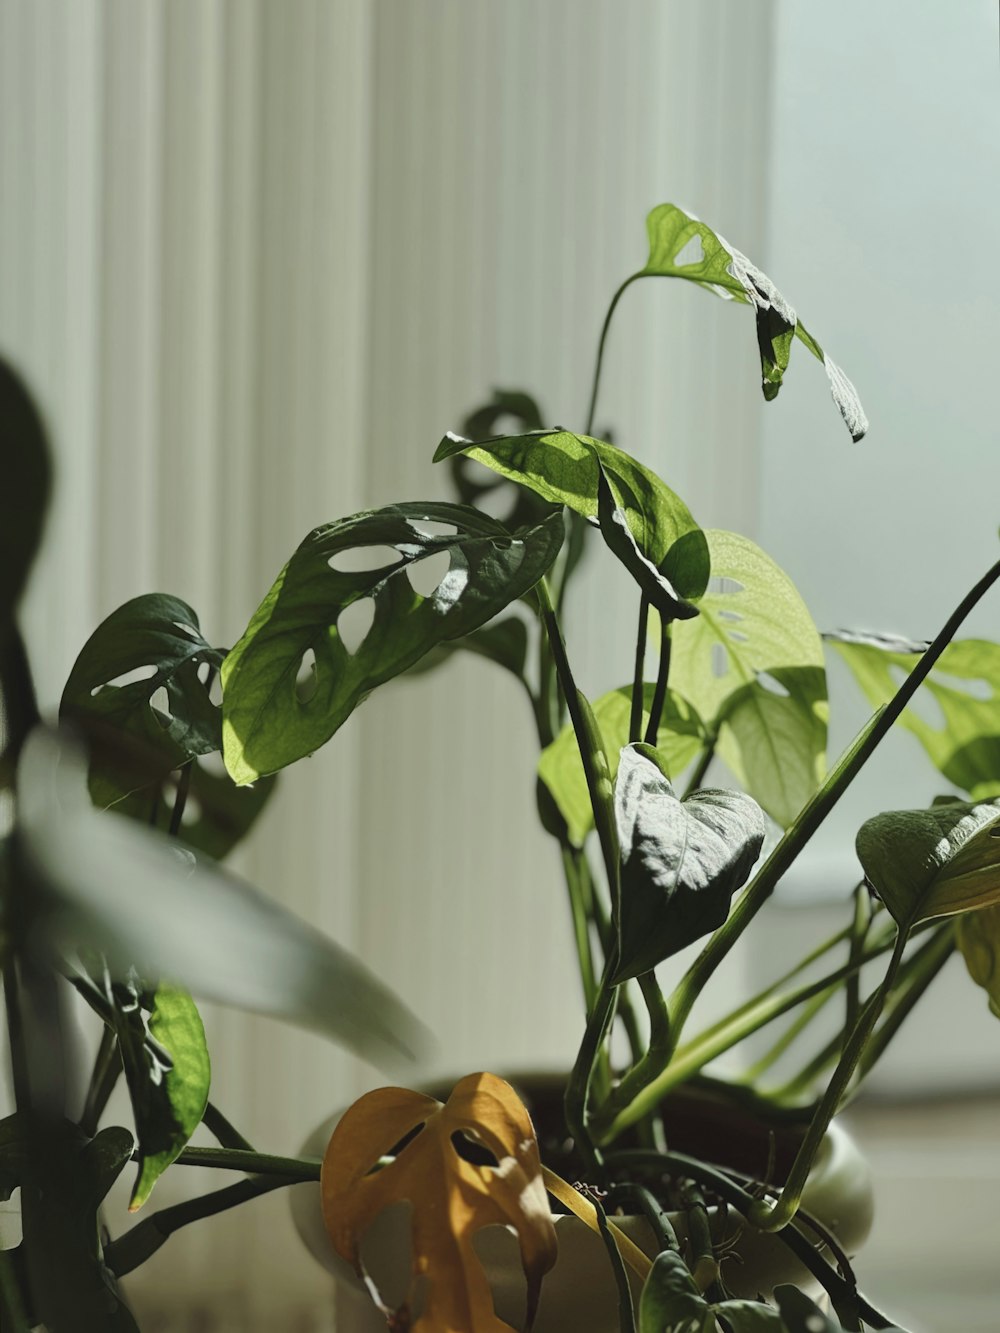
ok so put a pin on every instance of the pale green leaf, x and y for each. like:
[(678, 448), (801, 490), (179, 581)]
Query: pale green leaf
[(978, 940), (679, 739), (751, 663), (682, 246)]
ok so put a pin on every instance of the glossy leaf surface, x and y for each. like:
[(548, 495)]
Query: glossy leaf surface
[(144, 672), (567, 469), (560, 767), (964, 683), (26, 473), (682, 246), (932, 863), (451, 1197), (268, 721), (752, 662), (672, 1303), (145, 903), (681, 861)]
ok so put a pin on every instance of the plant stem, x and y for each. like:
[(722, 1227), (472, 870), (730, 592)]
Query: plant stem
[(795, 1029), (581, 924), (255, 1163), (859, 932), (660, 690), (701, 768), (107, 1068), (772, 1217), (635, 712), (227, 1134), (596, 382), (578, 1087), (180, 800), (799, 834)]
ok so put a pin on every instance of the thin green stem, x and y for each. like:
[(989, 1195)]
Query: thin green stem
[(859, 933), (227, 1134), (660, 689), (800, 833), (254, 1163), (795, 1029), (578, 1087), (635, 712), (581, 923), (107, 1069), (180, 800), (701, 768), (659, 1014), (596, 382), (772, 1217)]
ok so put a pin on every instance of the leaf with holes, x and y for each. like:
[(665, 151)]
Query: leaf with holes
[(931, 863), (654, 525), (451, 1196), (266, 722), (681, 861), (102, 882), (679, 739), (144, 672), (755, 639), (672, 1303), (965, 685), (682, 246), (978, 940), (167, 1069), (27, 482)]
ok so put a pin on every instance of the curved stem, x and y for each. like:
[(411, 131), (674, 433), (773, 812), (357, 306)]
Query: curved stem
[(635, 711), (596, 382), (660, 691), (581, 925), (255, 1163)]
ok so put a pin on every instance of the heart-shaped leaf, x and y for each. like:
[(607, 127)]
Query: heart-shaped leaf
[(566, 469), (26, 472), (452, 1198), (614, 525), (755, 639), (672, 1303), (267, 721), (144, 672), (722, 269), (167, 1069), (681, 861), (931, 863), (107, 884), (964, 682), (679, 740), (978, 939)]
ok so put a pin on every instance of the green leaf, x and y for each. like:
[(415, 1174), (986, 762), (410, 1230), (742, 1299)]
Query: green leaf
[(479, 487), (267, 722), (167, 1070), (800, 1314), (144, 727), (503, 641), (750, 1317), (105, 883), (965, 683), (752, 662), (931, 863), (681, 861), (978, 940), (679, 739), (618, 537), (566, 469), (26, 470), (671, 1302), (682, 246)]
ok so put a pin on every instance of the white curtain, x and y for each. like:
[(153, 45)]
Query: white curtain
[(256, 258)]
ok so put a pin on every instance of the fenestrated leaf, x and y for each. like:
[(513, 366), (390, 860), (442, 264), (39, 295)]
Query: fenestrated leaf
[(566, 469), (25, 484), (681, 861), (155, 639), (451, 1197), (675, 240), (931, 863), (978, 939), (266, 724), (965, 682), (679, 739), (754, 638), (671, 1301), (106, 883), (168, 1072)]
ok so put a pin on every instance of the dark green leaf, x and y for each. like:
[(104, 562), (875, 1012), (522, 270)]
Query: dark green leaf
[(680, 738), (750, 1317), (168, 712), (964, 682), (267, 722), (503, 641), (681, 861), (107, 884), (931, 863), (105, 1158), (618, 537), (566, 469), (978, 940), (682, 246), (671, 1302), (167, 1070), (25, 484), (754, 638), (801, 1315)]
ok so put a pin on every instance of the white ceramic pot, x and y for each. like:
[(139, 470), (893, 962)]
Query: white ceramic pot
[(579, 1293)]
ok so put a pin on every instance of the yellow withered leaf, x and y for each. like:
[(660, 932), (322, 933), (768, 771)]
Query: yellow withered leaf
[(451, 1197)]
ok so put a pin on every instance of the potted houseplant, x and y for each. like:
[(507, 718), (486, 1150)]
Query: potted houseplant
[(655, 860)]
